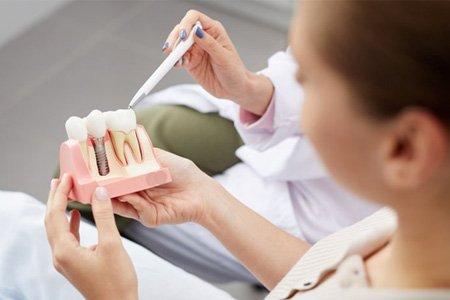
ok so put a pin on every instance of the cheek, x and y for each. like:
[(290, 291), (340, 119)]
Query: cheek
[(343, 146), (315, 123)]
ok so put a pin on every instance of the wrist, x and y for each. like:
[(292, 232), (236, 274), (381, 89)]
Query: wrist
[(257, 93), (214, 201)]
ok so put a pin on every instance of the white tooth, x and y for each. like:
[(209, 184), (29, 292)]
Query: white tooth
[(121, 120), (131, 118), (121, 125), (95, 124), (76, 129)]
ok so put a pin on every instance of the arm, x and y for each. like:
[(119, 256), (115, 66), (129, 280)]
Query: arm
[(192, 196), (267, 251)]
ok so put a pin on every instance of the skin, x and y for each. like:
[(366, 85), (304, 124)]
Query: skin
[(102, 271), (402, 162), (215, 64)]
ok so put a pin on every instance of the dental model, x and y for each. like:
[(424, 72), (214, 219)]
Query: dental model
[(122, 128), (96, 126), (111, 150), (77, 130)]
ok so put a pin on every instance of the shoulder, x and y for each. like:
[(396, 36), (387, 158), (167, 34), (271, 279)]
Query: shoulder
[(326, 255)]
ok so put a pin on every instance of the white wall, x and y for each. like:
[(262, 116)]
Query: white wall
[(275, 13), (18, 15)]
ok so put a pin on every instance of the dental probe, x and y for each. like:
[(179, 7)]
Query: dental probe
[(176, 54)]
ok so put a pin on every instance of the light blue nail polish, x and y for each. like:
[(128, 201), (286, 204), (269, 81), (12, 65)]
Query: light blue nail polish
[(183, 34), (165, 46), (199, 32)]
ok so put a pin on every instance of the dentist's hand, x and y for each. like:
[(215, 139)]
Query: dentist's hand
[(185, 199), (103, 271), (215, 64)]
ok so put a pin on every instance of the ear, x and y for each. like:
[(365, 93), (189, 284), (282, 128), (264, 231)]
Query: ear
[(415, 148)]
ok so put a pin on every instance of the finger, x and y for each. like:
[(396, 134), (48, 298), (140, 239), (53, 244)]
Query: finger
[(51, 194), (186, 24), (139, 204), (55, 220), (53, 185), (60, 198), (171, 39), (187, 58), (75, 219), (104, 217), (210, 45), (136, 201), (192, 16), (124, 209), (178, 64)]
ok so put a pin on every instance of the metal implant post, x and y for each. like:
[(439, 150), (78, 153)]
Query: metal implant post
[(100, 156)]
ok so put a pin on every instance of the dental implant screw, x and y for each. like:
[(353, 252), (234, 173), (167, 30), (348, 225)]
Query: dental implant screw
[(100, 156)]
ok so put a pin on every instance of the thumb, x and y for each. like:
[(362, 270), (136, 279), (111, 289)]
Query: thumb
[(209, 44), (104, 217)]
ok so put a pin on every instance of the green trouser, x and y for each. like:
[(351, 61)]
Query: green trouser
[(209, 140)]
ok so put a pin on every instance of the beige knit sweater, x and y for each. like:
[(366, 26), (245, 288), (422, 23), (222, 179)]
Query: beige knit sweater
[(342, 255)]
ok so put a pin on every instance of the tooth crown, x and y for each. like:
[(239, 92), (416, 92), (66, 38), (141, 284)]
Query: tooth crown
[(126, 150), (95, 124), (121, 120), (76, 129)]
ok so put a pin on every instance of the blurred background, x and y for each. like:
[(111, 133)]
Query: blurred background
[(60, 58)]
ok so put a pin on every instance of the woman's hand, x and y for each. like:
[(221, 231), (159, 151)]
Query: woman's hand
[(103, 271), (184, 199), (215, 64), (194, 196)]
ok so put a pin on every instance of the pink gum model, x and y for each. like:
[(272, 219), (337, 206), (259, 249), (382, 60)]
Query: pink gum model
[(78, 160)]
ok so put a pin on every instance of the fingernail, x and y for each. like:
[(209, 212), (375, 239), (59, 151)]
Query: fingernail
[(199, 32), (165, 46), (183, 34), (64, 177), (101, 193), (52, 183)]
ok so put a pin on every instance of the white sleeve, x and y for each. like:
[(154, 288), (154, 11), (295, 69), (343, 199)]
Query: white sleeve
[(276, 147), (281, 119)]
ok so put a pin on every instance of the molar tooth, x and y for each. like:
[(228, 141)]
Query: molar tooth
[(76, 129), (122, 128), (95, 124)]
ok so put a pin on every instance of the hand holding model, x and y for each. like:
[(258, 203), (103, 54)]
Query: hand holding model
[(193, 196), (215, 64), (185, 199), (103, 271)]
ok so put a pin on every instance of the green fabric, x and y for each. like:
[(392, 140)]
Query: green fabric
[(209, 140)]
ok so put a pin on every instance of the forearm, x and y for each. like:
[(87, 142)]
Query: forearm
[(257, 94), (267, 251)]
